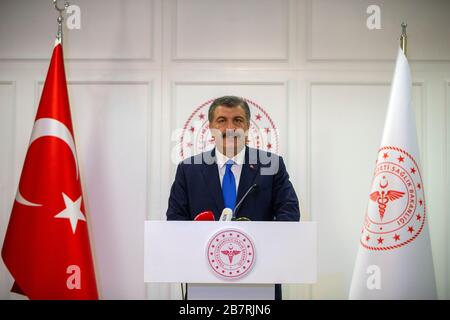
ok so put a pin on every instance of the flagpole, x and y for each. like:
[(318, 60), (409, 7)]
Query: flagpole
[(403, 38), (60, 19)]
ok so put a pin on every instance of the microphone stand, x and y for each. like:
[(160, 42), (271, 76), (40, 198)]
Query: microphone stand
[(236, 208)]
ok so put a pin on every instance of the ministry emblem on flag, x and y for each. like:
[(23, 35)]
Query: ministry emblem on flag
[(395, 214)]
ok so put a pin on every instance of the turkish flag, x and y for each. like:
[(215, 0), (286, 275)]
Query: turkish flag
[(46, 247)]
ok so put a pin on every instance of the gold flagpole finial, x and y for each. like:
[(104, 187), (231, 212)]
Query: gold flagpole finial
[(403, 38)]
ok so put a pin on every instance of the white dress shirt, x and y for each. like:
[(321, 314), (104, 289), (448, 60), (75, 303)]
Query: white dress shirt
[(236, 168)]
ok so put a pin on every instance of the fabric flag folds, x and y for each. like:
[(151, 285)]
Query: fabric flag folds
[(46, 247), (394, 260)]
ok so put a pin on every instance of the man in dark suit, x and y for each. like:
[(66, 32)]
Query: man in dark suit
[(219, 178)]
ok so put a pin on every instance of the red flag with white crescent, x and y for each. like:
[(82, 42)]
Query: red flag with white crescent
[(46, 247)]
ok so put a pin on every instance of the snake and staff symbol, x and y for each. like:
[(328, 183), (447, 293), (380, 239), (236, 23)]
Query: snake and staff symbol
[(230, 253), (382, 198)]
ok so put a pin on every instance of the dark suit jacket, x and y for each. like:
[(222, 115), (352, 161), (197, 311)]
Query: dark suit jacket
[(197, 188)]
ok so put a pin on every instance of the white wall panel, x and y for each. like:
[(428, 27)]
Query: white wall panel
[(434, 167), (7, 192), (110, 123), (446, 203), (447, 187), (110, 29), (231, 30), (338, 31), (346, 128)]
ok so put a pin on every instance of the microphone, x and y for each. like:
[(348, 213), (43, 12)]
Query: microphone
[(226, 215), (205, 216), (250, 190)]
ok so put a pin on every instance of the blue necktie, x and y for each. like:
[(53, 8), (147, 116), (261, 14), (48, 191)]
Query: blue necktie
[(229, 187)]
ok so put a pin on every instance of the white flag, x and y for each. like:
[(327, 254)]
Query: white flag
[(394, 260)]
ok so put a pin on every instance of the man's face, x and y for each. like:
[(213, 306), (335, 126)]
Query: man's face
[(229, 128)]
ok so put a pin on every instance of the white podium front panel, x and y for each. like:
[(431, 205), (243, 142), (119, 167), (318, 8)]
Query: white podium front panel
[(285, 252)]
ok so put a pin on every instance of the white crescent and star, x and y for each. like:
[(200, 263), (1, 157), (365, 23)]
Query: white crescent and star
[(24, 201), (48, 127)]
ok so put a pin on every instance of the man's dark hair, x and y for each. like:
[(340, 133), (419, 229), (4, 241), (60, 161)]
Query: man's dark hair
[(230, 102)]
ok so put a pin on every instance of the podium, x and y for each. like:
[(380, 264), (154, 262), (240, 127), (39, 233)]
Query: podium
[(230, 260)]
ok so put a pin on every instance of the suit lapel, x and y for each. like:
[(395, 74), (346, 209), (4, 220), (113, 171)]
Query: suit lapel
[(211, 177), (249, 172)]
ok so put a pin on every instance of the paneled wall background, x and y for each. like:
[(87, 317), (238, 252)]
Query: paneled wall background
[(138, 68)]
